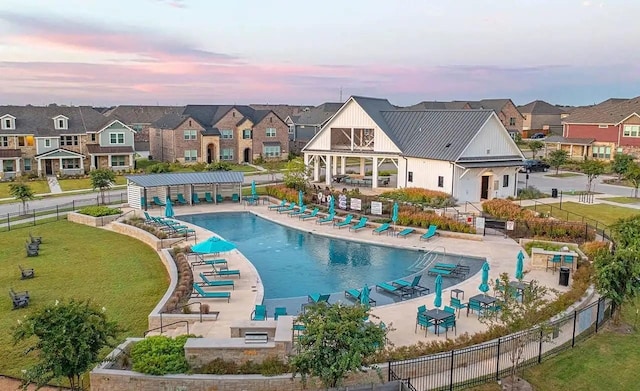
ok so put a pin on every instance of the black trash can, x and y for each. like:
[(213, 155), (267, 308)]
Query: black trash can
[(564, 276), (554, 193)]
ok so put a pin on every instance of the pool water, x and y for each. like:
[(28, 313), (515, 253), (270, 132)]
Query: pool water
[(293, 263)]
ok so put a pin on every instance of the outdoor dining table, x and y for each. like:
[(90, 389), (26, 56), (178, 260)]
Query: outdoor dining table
[(484, 300), (438, 316), (519, 286)]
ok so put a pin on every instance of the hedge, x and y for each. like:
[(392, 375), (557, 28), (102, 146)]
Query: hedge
[(99, 211), (422, 196)]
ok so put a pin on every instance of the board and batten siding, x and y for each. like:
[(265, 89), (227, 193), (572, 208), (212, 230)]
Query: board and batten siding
[(492, 140), (116, 127), (468, 187), (425, 174)]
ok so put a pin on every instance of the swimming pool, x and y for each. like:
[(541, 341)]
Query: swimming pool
[(293, 263)]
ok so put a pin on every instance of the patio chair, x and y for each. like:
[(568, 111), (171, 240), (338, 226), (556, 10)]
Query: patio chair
[(282, 204), (280, 311), (259, 313), (26, 273), (568, 259), (406, 232), (327, 219), (314, 213), (156, 201), (207, 197), (35, 239), (555, 261), (361, 224), (343, 223), (457, 304), (221, 273), (423, 322), (383, 228), (219, 198), (431, 232), (195, 199), (33, 245), (389, 288), (199, 292), (287, 209), (449, 323), (215, 283), (19, 300), (422, 308), (235, 197), (318, 298), (473, 305), (219, 262), (412, 286), (31, 252), (299, 212), (181, 199)]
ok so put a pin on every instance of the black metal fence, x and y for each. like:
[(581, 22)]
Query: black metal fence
[(35, 216), (490, 361)]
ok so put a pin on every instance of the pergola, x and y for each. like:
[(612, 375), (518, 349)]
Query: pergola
[(166, 185)]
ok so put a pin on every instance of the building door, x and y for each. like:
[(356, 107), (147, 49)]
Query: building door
[(211, 153), (484, 188), (247, 155), (48, 168)]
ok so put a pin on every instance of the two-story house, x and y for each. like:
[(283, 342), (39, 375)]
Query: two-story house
[(541, 117), (305, 125)]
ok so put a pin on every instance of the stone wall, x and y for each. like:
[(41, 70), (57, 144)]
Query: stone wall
[(145, 237), (90, 220)]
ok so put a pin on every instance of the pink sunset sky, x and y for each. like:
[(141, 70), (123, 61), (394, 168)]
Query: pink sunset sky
[(178, 52)]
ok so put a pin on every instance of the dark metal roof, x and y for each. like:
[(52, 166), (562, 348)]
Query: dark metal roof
[(568, 140), (10, 153), (97, 149), (186, 178), (487, 164), (271, 143)]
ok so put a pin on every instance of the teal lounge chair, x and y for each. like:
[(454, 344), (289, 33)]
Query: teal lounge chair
[(431, 232), (199, 292), (396, 290), (327, 219), (434, 271), (344, 223), (181, 199), (287, 209), (219, 198), (157, 202), (361, 224), (413, 286), (282, 204), (222, 273), (259, 313), (314, 213), (215, 262), (383, 228), (280, 311), (207, 197), (235, 197), (195, 199), (356, 294), (215, 283), (318, 298), (299, 212), (406, 232)]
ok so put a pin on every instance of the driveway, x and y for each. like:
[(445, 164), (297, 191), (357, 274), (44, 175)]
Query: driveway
[(545, 183)]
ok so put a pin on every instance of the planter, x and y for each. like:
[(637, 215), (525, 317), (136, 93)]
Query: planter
[(90, 220)]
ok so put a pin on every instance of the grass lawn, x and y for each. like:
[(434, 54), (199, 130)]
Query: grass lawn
[(85, 183), (602, 213), (623, 200), (77, 261), (563, 175), (242, 168), (38, 187)]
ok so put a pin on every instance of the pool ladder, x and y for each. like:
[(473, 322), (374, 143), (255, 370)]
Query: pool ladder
[(425, 260)]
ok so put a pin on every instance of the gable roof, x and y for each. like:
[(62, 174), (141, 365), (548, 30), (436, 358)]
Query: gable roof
[(38, 120), (132, 114), (317, 115), (438, 105), (183, 178), (540, 107), (283, 111), (611, 111)]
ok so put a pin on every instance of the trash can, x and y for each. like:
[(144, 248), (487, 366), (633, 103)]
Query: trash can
[(554, 193), (564, 276)]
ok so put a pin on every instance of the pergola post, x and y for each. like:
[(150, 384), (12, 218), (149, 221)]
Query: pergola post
[(327, 171), (362, 166), (374, 175), (215, 193), (146, 200), (334, 167), (316, 168), (343, 165)]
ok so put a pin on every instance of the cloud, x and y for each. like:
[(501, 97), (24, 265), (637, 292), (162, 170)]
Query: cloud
[(173, 3)]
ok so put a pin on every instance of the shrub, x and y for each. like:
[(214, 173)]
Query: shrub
[(143, 164), (271, 366), (530, 193), (99, 211), (425, 219), (198, 167), (591, 249), (505, 209), (419, 195), (282, 192), (543, 245), (219, 166), (159, 168), (160, 355)]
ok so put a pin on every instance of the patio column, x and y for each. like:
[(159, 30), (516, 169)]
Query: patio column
[(92, 162), (343, 165), (327, 171), (39, 167), (59, 167), (17, 166), (316, 168), (131, 161), (362, 166), (374, 174), (1, 167), (82, 165), (571, 150), (215, 193), (335, 165)]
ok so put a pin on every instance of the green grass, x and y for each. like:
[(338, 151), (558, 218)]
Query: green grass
[(38, 187), (85, 183), (242, 168), (602, 213), (623, 200), (77, 261), (563, 175)]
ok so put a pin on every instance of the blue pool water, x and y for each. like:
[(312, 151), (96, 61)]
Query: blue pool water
[(293, 263)]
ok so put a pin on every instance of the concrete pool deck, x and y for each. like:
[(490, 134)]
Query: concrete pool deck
[(500, 253)]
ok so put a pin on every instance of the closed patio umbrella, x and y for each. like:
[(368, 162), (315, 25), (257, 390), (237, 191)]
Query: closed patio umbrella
[(168, 208), (332, 205), (300, 198), (484, 286), (213, 245), (437, 302), (520, 266), (364, 296), (394, 213), (253, 189)]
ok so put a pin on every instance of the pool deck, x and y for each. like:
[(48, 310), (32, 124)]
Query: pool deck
[(500, 252)]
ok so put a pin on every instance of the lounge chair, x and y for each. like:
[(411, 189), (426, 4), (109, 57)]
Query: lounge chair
[(215, 283), (207, 197), (181, 199), (143, 203), (396, 290), (259, 313), (406, 232), (356, 294), (26, 273), (214, 262), (344, 223), (443, 272), (195, 199), (361, 224), (282, 204), (327, 219), (235, 197), (299, 212), (314, 213), (280, 311), (31, 252), (412, 286), (383, 228), (222, 273), (199, 292), (156, 201), (431, 232), (318, 298), (287, 209), (219, 198)]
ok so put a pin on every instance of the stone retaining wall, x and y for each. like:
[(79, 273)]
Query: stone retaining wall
[(145, 237), (90, 220)]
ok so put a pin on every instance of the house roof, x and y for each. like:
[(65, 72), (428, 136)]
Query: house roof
[(611, 111), (141, 146), (438, 105), (434, 134), (170, 121), (96, 149), (10, 153), (317, 115), (540, 107), (282, 111), (131, 114), (569, 140), (38, 120), (184, 178)]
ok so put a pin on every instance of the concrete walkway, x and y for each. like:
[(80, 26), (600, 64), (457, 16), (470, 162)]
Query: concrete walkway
[(54, 185)]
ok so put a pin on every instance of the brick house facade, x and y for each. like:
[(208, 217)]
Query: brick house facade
[(266, 143)]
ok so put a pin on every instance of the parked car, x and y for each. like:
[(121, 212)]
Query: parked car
[(538, 136), (533, 165)]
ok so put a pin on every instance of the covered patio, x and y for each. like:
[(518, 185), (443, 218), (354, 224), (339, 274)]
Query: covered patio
[(335, 165), (219, 183), (577, 148)]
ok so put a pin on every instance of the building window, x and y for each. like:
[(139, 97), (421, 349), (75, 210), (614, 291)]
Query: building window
[(93, 137), (30, 141), (7, 165), (440, 181), (116, 138), (68, 140), (117, 161), (226, 133), (190, 155), (505, 181), (47, 143), (246, 134), (292, 129), (61, 124), (69, 164), (190, 134), (226, 154), (8, 123), (271, 132), (21, 141), (603, 126), (138, 128), (27, 164), (271, 150), (410, 176), (601, 152), (631, 131), (4, 141), (512, 121)]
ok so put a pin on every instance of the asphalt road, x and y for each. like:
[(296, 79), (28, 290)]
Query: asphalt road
[(545, 183)]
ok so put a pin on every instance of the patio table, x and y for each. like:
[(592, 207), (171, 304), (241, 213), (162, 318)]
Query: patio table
[(438, 316), (484, 300)]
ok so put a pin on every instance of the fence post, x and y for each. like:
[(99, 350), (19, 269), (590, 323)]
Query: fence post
[(498, 362), (389, 370), (73, 205), (598, 314), (57, 213), (573, 337), (34, 217), (451, 372), (540, 346), (8, 223)]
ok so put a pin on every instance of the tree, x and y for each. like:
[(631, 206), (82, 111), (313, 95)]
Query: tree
[(592, 169), (621, 163), (21, 191), (535, 146), (336, 341), (272, 169), (296, 174), (618, 276), (557, 158), (520, 314), (632, 174), (102, 179), (68, 339)]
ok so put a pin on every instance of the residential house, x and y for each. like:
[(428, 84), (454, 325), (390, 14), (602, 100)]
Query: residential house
[(613, 125), (467, 153), (439, 105), (541, 117), (305, 125), (66, 140), (282, 110)]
